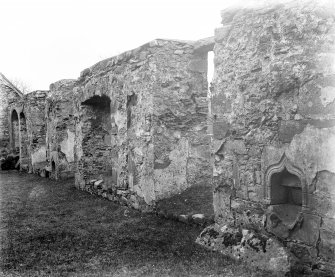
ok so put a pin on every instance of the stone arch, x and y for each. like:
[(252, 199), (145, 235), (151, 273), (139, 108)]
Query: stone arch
[(290, 179)]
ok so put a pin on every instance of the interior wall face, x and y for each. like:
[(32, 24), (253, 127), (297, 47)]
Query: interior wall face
[(60, 129), (7, 97), (33, 106), (272, 111), (181, 143), (96, 122)]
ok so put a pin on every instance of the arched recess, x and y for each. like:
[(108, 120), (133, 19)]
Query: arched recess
[(15, 132), (96, 142), (24, 142), (285, 183)]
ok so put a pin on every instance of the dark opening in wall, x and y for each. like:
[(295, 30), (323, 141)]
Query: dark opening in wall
[(131, 101), (102, 102), (96, 144), (53, 173), (15, 132), (24, 142), (286, 188)]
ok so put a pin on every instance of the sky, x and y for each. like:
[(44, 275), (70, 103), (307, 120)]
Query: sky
[(43, 41)]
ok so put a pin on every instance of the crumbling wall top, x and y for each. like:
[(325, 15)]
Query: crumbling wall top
[(37, 94), (107, 64), (61, 89), (324, 7)]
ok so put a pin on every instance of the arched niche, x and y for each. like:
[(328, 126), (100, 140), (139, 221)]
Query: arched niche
[(282, 178), (15, 132), (96, 126), (285, 189)]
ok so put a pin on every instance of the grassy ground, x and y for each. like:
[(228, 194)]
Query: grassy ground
[(49, 228), (194, 200)]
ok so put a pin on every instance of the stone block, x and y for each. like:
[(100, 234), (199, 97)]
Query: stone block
[(288, 129), (322, 205), (251, 248), (220, 129), (204, 45), (98, 184), (308, 232), (198, 65), (183, 218), (327, 240), (221, 34), (198, 218)]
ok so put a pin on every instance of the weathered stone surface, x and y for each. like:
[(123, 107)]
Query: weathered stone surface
[(327, 240), (137, 122), (222, 33), (273, 120), (28, 130), (204, 45), (256, 250), (198, 218), (8, 95), (61, 129), (141, 123)]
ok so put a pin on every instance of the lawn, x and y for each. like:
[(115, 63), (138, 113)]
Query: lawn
[(49, 228)]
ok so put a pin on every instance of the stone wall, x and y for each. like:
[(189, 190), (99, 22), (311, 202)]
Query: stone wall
[(179, 121), (28, 131), (273, 125), (8, 95), (60, 129), (141, 123)]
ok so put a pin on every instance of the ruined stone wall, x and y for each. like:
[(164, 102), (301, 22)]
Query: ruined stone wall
[(7, 97), (125, 137), (273, 125), (60, 129), (31, 131), (180, 108)]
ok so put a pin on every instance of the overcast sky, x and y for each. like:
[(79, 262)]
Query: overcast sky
[(43, 41)]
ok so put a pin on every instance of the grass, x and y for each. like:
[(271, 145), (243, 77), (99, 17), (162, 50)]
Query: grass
[(49, 228), (194, 200)]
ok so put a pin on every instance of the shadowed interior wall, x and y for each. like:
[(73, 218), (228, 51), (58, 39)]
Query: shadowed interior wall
[(96, 120)]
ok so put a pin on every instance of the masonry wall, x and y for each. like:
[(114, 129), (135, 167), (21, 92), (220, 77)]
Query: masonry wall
[(180, 108), (28, 133), (273, 117), (60, 134), (138, 143), (7, 97)]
